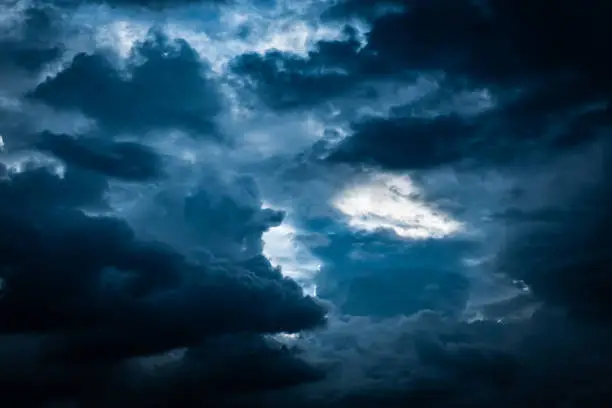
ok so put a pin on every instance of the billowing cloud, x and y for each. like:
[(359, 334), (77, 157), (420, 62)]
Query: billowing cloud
[(32, 45), (126, 160), (546, 95), (88, 302), (285, 81), (272, 203), (93, 292), (163, 86)]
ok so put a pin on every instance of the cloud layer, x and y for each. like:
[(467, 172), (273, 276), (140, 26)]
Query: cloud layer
[(434, 173)]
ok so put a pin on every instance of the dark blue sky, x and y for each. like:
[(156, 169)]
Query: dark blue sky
[(307, 203)]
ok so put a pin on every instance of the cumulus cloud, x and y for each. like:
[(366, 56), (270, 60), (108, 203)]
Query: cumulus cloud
[(284, 80), (164, 86), (58, 268), (127, 160), (546, 95), (30, 45), (433, 173), (85, 298), (545, 127)]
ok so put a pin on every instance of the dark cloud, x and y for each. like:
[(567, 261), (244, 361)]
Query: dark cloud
[(102, 295), (544, 66), (551, 119), (217, 371), (548, 127), (576, 227), (34, 42), (164, 87), (287, 81), (95, 312), (556, 241), (232, 364), (405, 142), (87, 303), (125, 160), (480, 41), (44, 214), (219, 217)]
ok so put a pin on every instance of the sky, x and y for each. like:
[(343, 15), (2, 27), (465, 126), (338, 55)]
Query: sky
[(305, 203)]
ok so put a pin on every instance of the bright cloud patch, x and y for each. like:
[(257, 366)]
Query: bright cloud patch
[(283, 249), (390, 202)]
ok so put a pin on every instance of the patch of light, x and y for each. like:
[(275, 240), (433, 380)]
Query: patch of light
[(288, 35), (474, 316), (162, 360), (296, 37), (389, 202), (122, 35), (521, 285), (18, 163), (12, 16), (9, 103), (286, 339), (266, 136), (283, 249), (478, 262), (288, 336)]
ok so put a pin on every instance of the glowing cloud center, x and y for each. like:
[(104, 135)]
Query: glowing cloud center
[(389, 202)]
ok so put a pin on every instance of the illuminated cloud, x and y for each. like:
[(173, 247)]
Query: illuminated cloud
[(304, 203), (392, 202), (283, 249)]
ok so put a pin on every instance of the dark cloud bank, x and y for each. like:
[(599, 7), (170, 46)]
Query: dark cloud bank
[(84, 297), (546, 68)]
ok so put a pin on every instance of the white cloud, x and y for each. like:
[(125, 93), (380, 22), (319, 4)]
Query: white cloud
[(283, 249), (387, 201), (238, 29)]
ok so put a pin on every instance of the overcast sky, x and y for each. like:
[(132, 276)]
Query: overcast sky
[(305, 203)]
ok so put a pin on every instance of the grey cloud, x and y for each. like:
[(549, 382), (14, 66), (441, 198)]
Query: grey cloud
[(54, 256), (125, 160), (85, 297), (164, 87), (546, 82)]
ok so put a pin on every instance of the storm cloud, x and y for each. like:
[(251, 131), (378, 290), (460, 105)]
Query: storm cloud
[(154, 93), (84, 296), (548, 78), (332, 204)]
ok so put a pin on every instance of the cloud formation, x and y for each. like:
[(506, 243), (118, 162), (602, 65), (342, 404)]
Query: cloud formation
[(545, 127), (539, 74), (85, 299), (163, 86), (93, 293), (139, 190)]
